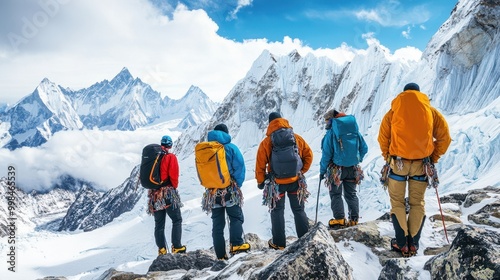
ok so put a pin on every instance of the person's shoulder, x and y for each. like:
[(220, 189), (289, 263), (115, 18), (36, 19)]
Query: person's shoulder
[(171, 155), (300, 138)]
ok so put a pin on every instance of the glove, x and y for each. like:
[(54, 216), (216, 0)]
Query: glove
[(321, 176), (261, 185)]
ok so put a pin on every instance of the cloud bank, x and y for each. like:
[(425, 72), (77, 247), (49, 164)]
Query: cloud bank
[(104, 158), (78, 43)]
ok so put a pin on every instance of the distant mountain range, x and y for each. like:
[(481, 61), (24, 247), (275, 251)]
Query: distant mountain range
[(124, 103)]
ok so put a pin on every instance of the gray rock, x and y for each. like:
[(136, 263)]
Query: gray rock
[(484, 215), (198, 259), (314, 256), (474, 254), (398, 269)]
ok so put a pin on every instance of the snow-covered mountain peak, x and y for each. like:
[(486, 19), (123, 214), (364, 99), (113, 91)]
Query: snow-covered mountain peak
[(45, 81), (194, 93), (50, 94), (122, 79), (294, 56), (124, 103), (261, 65)]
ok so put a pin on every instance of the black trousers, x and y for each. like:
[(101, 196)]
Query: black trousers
[(348, 187), (278, 214), (175, 216)]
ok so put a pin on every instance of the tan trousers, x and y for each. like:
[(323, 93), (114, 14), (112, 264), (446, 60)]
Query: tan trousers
[(416, 193)]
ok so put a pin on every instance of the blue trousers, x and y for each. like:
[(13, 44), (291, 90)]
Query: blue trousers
[(236, 220)]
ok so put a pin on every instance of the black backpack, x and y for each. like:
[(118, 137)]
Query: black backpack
[(149, 174), (285, 159)]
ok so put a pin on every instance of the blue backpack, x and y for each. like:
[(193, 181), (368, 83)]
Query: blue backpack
[(346, 141)]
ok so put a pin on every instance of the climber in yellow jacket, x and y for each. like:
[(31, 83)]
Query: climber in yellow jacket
[(411, 133)]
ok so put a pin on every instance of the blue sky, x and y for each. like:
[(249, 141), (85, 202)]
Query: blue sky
[(172, 45), (326, 23)]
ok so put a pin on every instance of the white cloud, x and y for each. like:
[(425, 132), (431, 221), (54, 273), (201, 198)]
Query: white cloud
[(370, 15), (392, 13), (88, 41), (241, 4), (406, 33), (104, 157), (408, 53), (403, 54)]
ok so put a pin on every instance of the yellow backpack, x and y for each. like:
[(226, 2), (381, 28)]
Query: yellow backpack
[(211, 165)]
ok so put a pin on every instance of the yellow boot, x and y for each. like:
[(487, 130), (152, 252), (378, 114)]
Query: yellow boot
[(178, 250), (162, 251), (352, 223), (239, 248), (337, 223)]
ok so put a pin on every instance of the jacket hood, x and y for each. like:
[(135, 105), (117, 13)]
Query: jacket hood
[(277, 124), (410, 96), (219, 136)]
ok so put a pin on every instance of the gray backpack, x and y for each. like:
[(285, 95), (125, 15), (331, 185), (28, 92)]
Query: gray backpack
[(285, 159)]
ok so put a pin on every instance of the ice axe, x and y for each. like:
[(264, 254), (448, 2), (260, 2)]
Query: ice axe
[(442, 217), (433, 181)]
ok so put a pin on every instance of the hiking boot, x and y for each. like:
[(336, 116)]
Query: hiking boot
[(239, 248), (274, 246), (413, 249), (178, 250), (162, 251), (405, 251), (225, 258), (352, 223), (337, 223), (413, 241)]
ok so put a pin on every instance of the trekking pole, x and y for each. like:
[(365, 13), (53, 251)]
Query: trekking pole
[(229, 228), (166, 241), (317, 202), (166, 244), (442, 217)]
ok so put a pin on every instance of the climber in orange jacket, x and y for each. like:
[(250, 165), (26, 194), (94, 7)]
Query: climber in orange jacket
[(411, 133), (287, 174)]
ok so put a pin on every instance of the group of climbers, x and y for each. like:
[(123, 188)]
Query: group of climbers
[(412, 137)]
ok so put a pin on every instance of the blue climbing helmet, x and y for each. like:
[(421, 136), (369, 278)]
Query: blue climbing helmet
[(166, 141)]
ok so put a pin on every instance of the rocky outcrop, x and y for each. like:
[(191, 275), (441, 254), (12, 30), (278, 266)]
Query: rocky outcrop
[(314, 256), (488, 214), (198, 260), (398, 269), (474, 254)]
